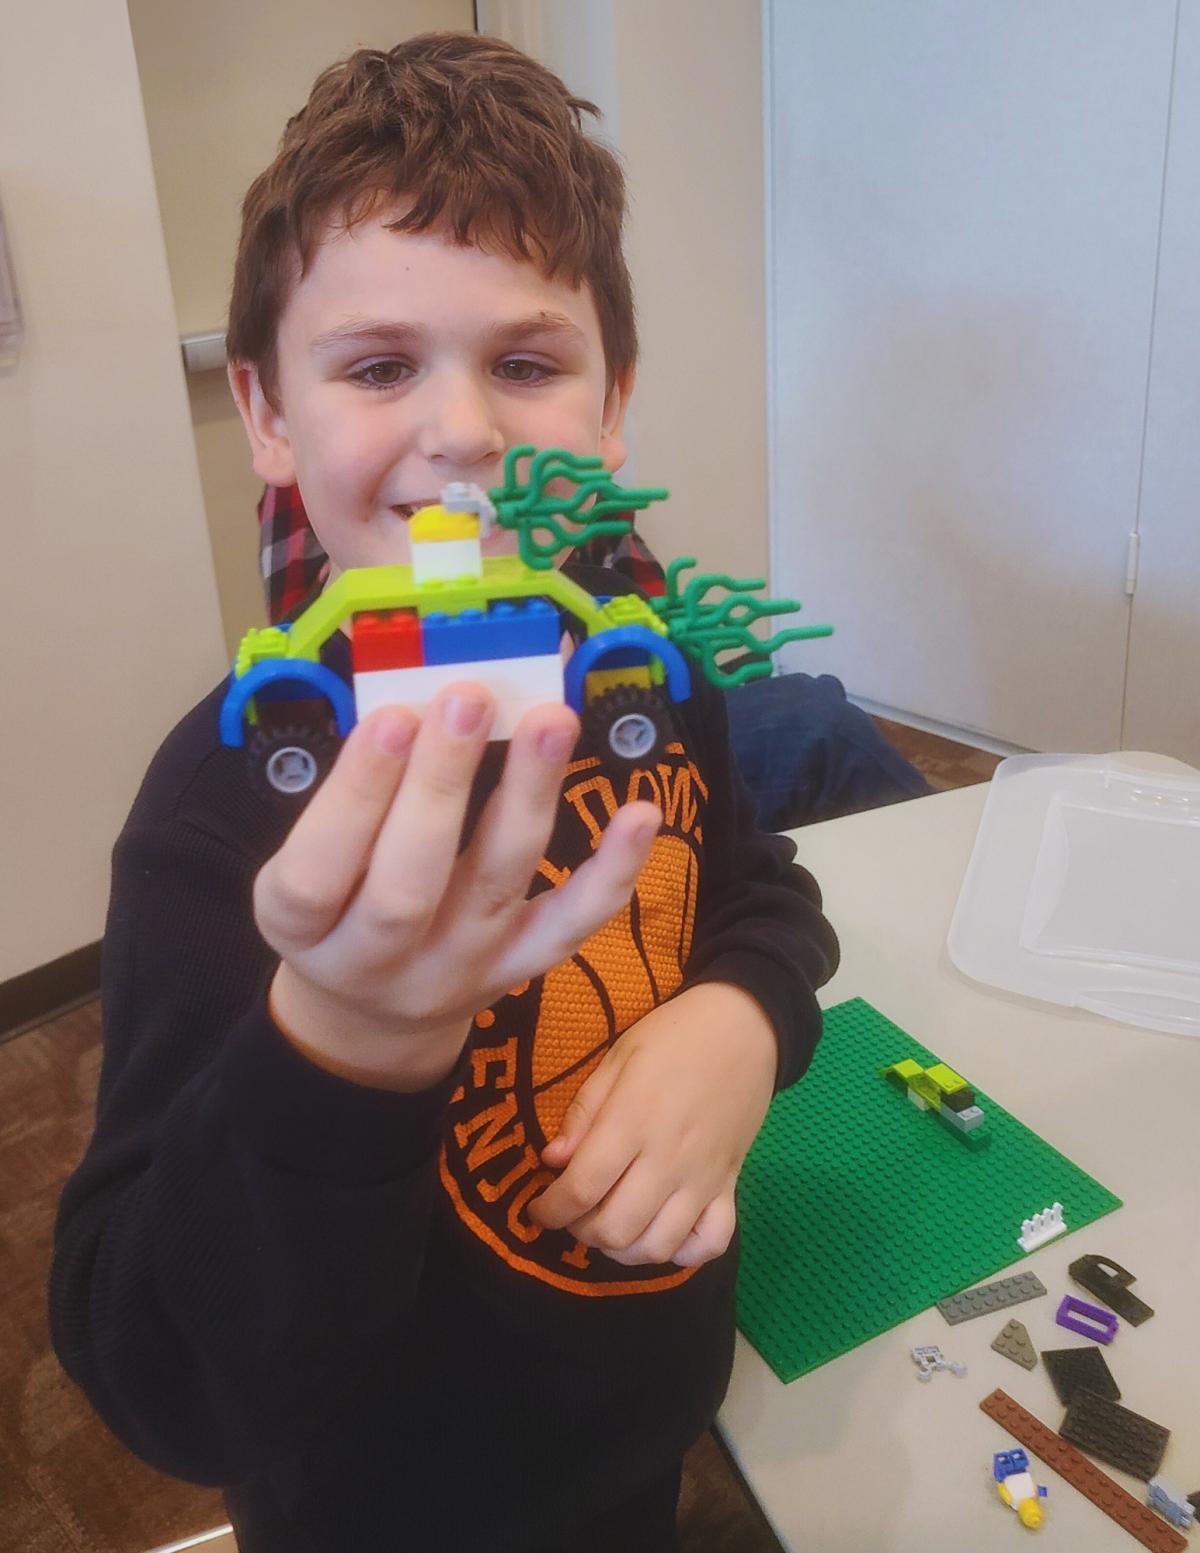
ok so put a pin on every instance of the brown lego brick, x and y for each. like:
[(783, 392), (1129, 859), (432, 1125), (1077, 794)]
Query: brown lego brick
[(1137, 1519)]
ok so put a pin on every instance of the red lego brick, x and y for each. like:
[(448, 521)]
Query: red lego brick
[(1137, 1519), (390, 639)]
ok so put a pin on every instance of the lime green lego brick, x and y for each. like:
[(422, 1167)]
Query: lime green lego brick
[(899, 1073), (630, 609), (924, 1086), (857, 1213), (946, 1079)]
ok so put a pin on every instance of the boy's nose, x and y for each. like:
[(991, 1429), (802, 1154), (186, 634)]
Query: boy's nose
[(458, 429)]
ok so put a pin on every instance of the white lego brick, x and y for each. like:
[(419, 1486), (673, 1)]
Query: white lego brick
[(516, 683), (1042, 1227), (444, 560)]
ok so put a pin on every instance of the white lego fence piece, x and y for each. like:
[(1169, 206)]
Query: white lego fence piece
[(1042, 1227)]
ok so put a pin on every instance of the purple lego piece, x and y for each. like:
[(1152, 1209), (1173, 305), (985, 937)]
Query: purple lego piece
[(1100, 1325)]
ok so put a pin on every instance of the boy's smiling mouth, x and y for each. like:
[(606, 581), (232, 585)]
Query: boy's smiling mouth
[(405, 509)]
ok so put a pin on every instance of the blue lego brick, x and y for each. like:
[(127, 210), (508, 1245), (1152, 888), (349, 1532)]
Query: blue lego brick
[(522, 628)]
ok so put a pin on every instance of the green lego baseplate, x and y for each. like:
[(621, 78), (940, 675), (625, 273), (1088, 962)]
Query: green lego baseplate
[(857, 1214)]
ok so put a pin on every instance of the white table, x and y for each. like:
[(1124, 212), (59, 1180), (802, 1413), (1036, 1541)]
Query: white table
[(858, 1456)]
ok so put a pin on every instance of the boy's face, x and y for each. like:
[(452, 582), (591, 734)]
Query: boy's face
[(405, 362)]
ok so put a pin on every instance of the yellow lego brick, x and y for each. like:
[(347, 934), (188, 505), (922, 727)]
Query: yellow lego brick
[(432, 523), (600, 680), (946, 1079), (921, 1084), (904, 1071)]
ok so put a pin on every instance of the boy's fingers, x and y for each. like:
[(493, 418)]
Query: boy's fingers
[(558, 921), (662, 1236), (711, 1233), (618, 1222), (600, 1161), (516, 823), (302, 891), (418, 843), (581, 1114)]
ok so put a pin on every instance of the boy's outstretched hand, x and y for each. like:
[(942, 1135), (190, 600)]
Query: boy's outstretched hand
[(651, 1147), (390, 938)]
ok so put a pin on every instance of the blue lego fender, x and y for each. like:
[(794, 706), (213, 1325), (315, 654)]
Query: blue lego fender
[(591, 654), (315, 678)]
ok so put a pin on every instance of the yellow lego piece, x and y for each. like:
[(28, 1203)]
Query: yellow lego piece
[(946, 1079), (906, 1070), (600, 680), (432, 523), (921, 1084)]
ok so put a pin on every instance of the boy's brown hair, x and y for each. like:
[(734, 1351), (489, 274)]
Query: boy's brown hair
[(486, 143)]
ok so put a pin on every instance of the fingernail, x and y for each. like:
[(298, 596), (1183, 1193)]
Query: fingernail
[(393, 735), (464, 714), (556, 743)]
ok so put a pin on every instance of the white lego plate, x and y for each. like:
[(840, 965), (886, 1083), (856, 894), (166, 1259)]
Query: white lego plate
[(1084, 889)]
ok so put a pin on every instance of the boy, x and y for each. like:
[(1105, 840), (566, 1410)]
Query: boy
[(382, 1227)]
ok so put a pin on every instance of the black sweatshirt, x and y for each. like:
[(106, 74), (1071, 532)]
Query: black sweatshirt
[(328, 1299)]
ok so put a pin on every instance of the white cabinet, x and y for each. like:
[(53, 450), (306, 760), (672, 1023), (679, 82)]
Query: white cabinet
[(964, 209)]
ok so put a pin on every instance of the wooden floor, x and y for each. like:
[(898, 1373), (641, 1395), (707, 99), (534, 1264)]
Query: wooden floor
[(66, 1486)]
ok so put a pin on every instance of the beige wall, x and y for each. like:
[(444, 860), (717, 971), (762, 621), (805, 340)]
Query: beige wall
[(110, 628), (219, 82), (680, 83), (690, 106)]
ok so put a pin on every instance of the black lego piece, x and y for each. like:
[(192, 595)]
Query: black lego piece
[(1080, 1369), (1114, 1434), (1109, 1282), (1194, 1501), (959, 1100)]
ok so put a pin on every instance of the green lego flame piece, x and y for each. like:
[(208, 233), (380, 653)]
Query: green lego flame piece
[(527, 507), (704, 627)]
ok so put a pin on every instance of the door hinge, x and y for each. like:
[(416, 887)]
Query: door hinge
[(1132, 557)]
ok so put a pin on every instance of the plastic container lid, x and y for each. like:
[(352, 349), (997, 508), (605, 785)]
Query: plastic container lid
[(1084, 889)]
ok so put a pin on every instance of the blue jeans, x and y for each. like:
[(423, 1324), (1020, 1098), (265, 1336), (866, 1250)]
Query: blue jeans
[(807, 754)]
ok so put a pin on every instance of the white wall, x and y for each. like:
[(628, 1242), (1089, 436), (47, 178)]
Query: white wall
[(680, 83), (219, 81), (109, 628), (965, 206)]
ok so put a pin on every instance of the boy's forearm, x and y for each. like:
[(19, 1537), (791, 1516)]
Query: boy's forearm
[(356, 1046)]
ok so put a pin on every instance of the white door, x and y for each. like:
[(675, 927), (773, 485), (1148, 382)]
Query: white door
[(963, 218)]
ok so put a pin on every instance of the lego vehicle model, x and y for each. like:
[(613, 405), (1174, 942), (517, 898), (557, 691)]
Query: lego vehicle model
[(1015, 1485), (946, 1093), (453, 614)]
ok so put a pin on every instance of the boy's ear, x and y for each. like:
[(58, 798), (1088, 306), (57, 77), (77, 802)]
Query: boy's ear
[(612, 427), (266, 429)]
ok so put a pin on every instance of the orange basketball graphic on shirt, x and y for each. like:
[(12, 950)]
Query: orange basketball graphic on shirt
[(604, 988), (532, 1051)]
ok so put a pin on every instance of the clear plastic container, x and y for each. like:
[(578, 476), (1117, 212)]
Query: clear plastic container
[(1084, 888)]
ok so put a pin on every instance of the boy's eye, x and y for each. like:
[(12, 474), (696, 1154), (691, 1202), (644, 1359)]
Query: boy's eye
[(381, 374), (519, 369)]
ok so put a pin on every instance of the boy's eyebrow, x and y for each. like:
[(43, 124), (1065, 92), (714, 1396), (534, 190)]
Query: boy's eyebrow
[(552, 325), (386, 331)]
